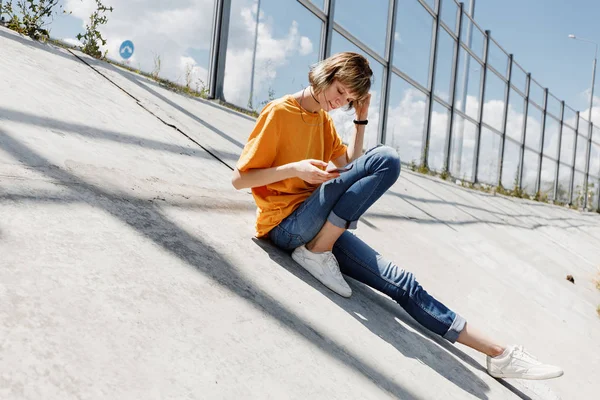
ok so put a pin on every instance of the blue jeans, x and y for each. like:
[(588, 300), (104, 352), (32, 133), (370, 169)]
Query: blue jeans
[(342, 201)]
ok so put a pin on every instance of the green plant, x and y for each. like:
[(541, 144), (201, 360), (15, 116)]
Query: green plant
[(92, 35), (33, 17), (412, 165), (445, 175)]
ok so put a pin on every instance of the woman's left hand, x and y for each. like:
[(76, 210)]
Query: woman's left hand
[(362, 108)]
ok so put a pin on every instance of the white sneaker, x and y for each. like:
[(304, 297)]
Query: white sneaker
[(515, 362), (324, 267)]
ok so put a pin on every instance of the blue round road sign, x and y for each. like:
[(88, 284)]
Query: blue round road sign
[(126, 49)]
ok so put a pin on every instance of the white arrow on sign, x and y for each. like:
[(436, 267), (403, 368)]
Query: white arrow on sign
[(126, 49)]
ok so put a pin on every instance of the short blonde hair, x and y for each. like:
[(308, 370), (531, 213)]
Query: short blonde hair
[(350, 69)]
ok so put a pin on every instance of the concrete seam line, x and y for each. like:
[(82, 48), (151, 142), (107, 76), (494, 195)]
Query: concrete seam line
[(212, 153)]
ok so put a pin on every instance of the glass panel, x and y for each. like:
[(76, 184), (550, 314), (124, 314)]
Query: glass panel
[(437, 140), (548, 176), (449, 14), (566, 145), (553, 106), (406, 120), (533, 133), (373, 21), (530, 171), (595, 160), (463, 148), (551, 137), (182, 44), (514, 119), (286, 46), (477, 37), (319, 3), (510, 165), (443, 71), (564, 180), (493, 109), (570, 117), (596, 135), (431, 3), (580, 156), (583, 128), (343, 118), (593, 186), (467, 85), (489, 148), (578, 189), (518, 78), (498, 59), (412, 40), (536, 94)]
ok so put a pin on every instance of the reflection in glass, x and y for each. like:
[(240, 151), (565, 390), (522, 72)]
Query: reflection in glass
[(533, 134), (443, 72), (518, 78), (551, 137), (578, 189), (510, 165), (570, 117), (536, 94), (468, 84), (412, 40), (369, 26), (462, 148), (564, 181), (440, 118), (406, 120), (489, 148), (548, 176), (498, 59), (515, 116), (493, 109), (580, 159), (566, 145), (553, 106), (449, 14), (595, 160), (287, 44), (343, 118), (531, 162), (477, 37)]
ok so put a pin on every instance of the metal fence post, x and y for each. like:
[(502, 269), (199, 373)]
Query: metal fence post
[(560, 132), (538, 182), (486, 47), (519, 180), (327, 29), (453, 81), (219, 49), (432, 64), (572, 182), (588, 154), (387, 76), (505, 120)]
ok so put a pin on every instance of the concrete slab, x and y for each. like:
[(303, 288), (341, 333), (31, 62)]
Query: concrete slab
[(128, 268)]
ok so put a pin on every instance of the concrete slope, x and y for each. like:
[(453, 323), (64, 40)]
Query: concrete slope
[(128, 267)]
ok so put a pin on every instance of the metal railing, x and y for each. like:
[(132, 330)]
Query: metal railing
[(531, 154)]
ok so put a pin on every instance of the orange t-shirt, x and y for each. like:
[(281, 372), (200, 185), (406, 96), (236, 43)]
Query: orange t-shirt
[(283, 135)]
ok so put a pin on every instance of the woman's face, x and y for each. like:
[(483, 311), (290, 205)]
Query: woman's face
[(335, 96)]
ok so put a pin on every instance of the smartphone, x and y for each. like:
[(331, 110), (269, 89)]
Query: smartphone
[(343, 169)]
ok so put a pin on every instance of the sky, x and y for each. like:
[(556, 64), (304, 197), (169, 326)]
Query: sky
[(287, 41)]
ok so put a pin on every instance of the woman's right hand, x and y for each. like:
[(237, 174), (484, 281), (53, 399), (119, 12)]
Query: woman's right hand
[(309, 171)]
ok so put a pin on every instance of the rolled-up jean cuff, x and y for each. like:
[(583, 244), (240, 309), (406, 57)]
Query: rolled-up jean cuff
[(455, 329), (340, 222)]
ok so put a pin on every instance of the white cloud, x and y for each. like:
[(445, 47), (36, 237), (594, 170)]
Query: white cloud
[(72, 42)]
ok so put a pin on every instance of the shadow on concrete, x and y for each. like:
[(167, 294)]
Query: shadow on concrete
[(59, 127), (150, 223), (380, 313)]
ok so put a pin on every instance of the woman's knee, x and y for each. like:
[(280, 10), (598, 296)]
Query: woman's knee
[(385, 158)]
